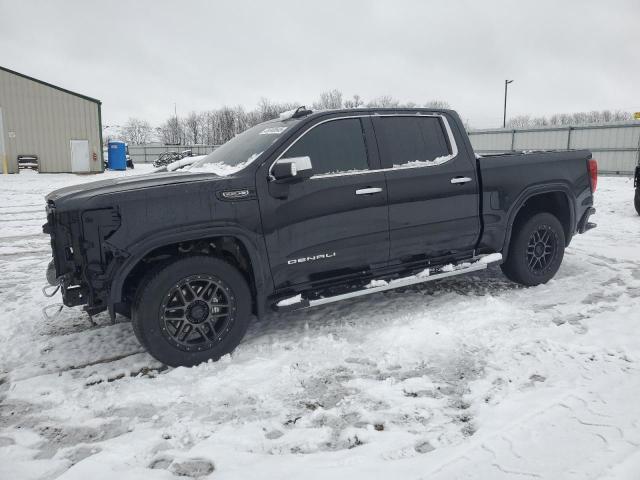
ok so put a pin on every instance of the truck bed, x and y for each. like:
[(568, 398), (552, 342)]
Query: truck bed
[(507, 178)]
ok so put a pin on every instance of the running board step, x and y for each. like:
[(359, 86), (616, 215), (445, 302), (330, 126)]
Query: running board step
[(375, 286)]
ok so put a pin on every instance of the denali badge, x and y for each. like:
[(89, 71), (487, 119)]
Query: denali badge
[(320, 256)]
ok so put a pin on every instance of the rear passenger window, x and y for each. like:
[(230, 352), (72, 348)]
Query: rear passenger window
[(334, 147), (411, 141)]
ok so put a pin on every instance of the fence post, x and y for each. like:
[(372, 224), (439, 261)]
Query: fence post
[(638, 161), (569, 138), (513, 139)]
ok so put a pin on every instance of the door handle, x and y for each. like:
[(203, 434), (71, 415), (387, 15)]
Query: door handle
[(460, 180), (368, 191)]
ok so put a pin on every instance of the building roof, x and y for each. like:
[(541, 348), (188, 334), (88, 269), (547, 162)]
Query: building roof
[(51, 85)]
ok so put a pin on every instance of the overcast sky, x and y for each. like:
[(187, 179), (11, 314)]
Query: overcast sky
[(140, 57)]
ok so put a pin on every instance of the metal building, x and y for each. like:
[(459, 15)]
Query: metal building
[(63, 129)]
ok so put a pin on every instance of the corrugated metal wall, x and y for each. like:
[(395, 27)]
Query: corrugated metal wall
[(148, 153), (615, 146), (42, 120)]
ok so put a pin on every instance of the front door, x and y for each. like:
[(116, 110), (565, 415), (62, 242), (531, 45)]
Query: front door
[(335, 224), (80, 161), (432, 188)]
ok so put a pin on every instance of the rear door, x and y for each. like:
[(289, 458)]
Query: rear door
[(335, 224), (432, 188)]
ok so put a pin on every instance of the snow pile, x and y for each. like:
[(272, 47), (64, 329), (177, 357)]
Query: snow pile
[(285, 302), (424, 163), (222, 169), (493, 257), (467, 377), (183, 162)]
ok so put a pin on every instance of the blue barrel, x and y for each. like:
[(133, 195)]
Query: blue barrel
[(117, 156)]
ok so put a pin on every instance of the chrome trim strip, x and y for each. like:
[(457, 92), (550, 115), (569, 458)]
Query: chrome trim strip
[(445, 121)]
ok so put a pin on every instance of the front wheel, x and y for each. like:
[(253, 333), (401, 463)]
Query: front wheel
[(192, 310), (536, 250), (636, 200)]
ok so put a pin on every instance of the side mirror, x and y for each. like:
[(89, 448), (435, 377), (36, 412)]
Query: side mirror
[(290, 169)]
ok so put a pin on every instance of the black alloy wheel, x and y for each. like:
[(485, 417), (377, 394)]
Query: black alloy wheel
[(541, 249), (192, 309), (535, 250), (197, 312)]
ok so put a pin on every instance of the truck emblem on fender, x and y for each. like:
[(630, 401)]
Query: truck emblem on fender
[(312, 258)]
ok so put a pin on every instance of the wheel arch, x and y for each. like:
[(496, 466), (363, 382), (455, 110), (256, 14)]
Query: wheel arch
[(555, 199), (260, 280)]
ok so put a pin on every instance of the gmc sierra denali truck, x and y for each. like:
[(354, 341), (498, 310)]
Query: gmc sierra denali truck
[(304, 210)]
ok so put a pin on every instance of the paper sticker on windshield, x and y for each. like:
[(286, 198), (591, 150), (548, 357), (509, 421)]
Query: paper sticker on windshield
[(273, 130)]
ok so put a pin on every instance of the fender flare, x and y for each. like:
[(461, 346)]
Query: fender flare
[(249, 240), (533, 191)]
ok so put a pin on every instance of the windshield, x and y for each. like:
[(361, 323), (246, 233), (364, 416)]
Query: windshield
[(242, 149)]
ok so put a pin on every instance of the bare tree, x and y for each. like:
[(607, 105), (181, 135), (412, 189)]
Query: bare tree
[(566, 119), (519, 122), (215, 127), (385, 101), (136, 131), (355, 102), (439, 104), (171, 132), (193, 128), (268, 110), (329, 100)]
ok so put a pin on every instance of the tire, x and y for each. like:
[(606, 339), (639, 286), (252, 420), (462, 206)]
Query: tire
[(636, 200), (192, 310), (536, 250)]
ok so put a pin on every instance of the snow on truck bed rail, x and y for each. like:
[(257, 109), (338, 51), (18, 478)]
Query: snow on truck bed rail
[(467, 377)]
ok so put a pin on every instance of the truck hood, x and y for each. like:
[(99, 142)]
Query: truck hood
[(85, 191)]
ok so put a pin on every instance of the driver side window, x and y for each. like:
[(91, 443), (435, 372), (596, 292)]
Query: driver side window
[(336, 146)]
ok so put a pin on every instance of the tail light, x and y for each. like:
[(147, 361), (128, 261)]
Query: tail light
[(592, 166)]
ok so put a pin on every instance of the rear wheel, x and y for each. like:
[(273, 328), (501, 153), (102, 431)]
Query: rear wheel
[(636, 200), (536, 250), (192, 310)]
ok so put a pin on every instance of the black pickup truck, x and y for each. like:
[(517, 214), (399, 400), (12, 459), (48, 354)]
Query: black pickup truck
[(304, 210)]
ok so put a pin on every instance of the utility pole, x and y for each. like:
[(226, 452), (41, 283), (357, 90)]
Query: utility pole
[(177, 132), (504, 118)]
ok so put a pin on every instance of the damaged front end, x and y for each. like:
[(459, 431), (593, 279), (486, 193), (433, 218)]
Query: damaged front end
[(83, 260)]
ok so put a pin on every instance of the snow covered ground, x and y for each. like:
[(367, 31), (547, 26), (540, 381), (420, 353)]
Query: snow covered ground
[(471, 377)]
